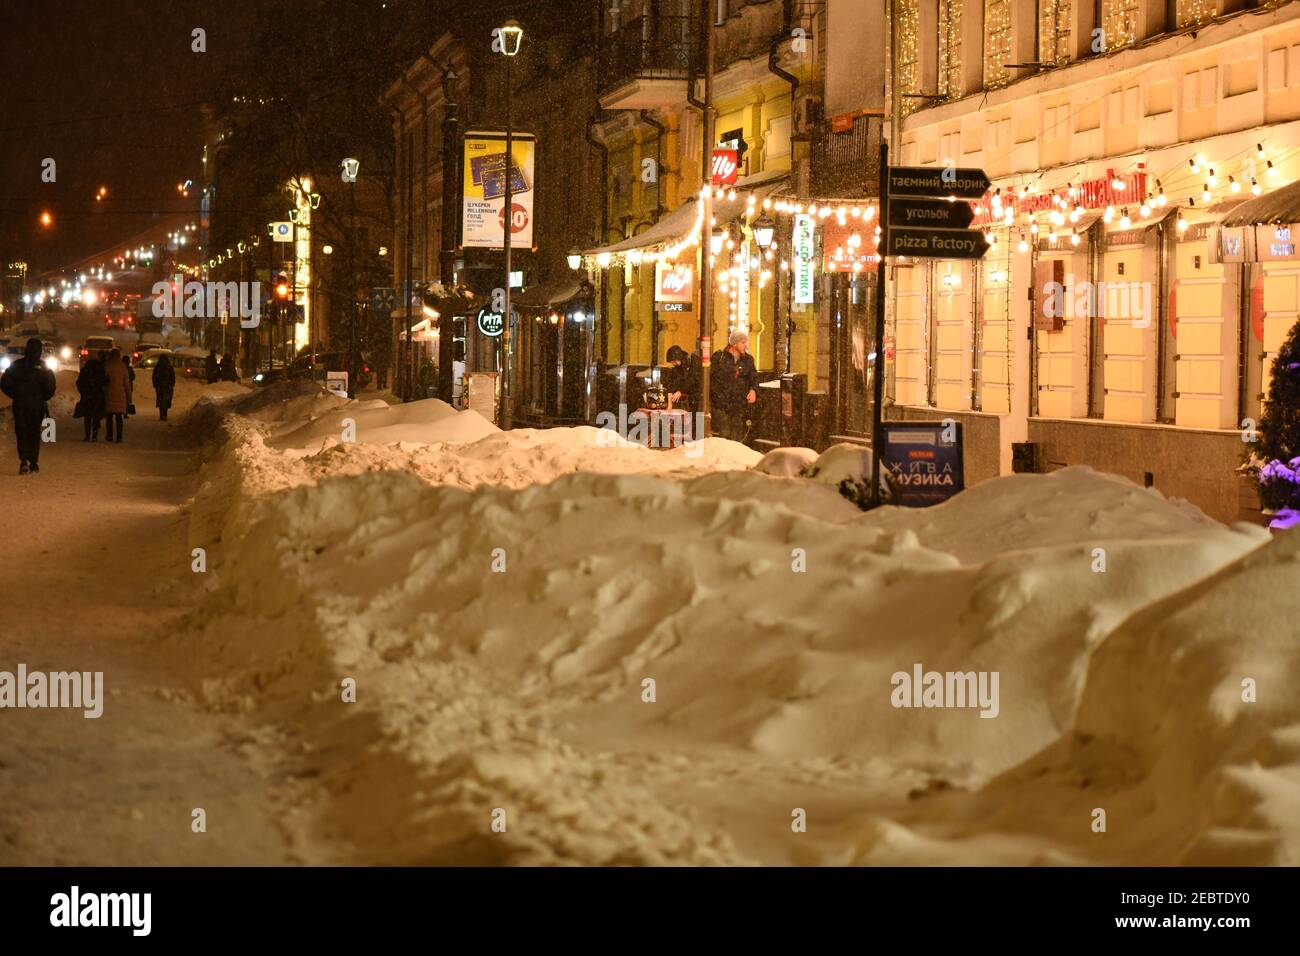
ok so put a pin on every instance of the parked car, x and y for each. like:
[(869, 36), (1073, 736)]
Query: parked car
[(150, 357), (190, 366), (96, 343)]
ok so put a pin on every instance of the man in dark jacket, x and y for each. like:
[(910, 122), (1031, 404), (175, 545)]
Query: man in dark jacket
[(682, 378), (733, 387), (213, 368), (91, 382), (31, 385), (227, 368)]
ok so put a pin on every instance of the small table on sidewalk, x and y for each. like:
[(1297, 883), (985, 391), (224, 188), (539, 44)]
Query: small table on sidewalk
[(665, 427)]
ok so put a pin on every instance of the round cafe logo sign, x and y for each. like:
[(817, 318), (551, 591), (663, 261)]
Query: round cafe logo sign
[(489, 323)]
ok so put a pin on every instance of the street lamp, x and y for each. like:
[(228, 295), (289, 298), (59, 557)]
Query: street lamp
[(512, 37), (350, 169), (764, 230)]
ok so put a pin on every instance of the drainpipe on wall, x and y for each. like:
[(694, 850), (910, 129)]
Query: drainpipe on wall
[(774, 67), (602, 346)]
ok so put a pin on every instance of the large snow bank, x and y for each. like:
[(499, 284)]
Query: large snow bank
[(501, 605)]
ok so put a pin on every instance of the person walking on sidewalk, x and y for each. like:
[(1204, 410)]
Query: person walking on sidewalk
[(31, 385), (227, 369), (117, 395), (91, 382), (213, 367), (164, 384), (736, 388)]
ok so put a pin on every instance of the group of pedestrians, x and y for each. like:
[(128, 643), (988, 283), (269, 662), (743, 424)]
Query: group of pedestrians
[(220, 370), (733, 386), (106, 389)]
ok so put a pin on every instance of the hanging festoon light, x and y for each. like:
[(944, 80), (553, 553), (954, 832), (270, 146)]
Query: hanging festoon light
[(1145, 209), (1182, 223), (1259, 150), (1117, 184), (1124, 221), (1023, 246), (1212, 179), (1272, 170), (1074, 238), (1254, 186), (1108, 215), (1233, 185), (1206, 196)]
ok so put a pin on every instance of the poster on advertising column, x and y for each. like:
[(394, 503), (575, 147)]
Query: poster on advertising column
[(483, 214)]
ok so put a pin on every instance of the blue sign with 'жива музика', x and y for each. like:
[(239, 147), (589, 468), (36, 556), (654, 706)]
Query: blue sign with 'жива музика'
[(921, 462)]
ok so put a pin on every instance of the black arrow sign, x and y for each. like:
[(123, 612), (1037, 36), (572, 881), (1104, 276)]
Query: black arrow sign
[(937, 181), (938, 213), (935, 243)]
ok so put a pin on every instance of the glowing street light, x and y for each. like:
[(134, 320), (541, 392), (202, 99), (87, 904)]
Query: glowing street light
[(46, 219)]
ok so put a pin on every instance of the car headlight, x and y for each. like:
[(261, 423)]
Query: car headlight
[(65, 353), (4, 362), (52, 363), (257, 377)]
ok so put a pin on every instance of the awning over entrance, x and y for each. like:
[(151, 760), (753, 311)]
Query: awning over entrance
[(1279, 206), (679, 224), (549, 295)]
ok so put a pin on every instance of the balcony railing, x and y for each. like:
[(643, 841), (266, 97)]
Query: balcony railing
[(845, 158), (648, 48)]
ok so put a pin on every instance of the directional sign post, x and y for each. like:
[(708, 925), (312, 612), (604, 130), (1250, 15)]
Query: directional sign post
[(924, 215)]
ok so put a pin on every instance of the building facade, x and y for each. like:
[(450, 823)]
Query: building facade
[(1116, 322)]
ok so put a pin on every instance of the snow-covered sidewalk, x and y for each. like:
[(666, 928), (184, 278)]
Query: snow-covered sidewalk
[(93, 568)]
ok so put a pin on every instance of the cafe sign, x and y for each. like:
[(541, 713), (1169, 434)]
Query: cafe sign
[(674, 286)]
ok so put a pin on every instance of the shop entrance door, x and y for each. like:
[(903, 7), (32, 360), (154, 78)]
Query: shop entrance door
[(853, 351)]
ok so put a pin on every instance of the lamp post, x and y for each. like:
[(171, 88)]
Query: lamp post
[(708, 139), (350, 169), (511, 36)]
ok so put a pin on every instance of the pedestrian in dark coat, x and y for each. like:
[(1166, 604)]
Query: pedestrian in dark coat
[(126, 360), (164, 384), (734, 387), (31, 385), (213, 367), (91, 383), (228, 371), (117, 394)]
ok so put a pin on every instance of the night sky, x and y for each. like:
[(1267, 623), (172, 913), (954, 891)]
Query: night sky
[(111, 91)]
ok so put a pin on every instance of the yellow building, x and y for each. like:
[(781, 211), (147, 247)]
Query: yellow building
[(651, 131), (1127, 146)]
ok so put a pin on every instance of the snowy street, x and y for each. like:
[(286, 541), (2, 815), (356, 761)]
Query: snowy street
[(95, 568)]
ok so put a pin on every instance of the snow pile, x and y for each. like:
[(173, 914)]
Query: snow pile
[(501, 607)]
